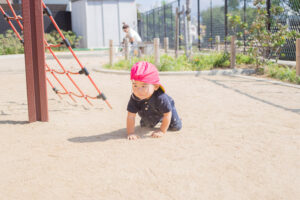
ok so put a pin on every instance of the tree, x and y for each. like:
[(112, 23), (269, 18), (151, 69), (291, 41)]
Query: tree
[(265, 44), (233, 4)]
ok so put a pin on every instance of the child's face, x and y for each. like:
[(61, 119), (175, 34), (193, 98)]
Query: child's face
[(143, 90), (126, 30)]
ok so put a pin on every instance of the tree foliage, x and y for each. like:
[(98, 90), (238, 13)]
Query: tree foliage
[(264, 43)]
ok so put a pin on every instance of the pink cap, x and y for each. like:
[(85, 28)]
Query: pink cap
[(145, 72)]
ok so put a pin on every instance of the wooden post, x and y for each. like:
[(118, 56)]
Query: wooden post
[(176, 33), (185, 25), (218, 43), (232, 55), (126, 51), (156, 51), (166, 44), (298, 57), (111, 52), (35, 60)]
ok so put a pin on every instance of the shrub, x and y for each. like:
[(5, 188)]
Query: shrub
[(10, 44), (202, 62), (54, 38), (283, 73), (244, 59), (167, 63), (222, 60)]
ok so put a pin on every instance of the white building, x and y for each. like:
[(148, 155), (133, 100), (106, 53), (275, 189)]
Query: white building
[(98, 21), (56, 1)]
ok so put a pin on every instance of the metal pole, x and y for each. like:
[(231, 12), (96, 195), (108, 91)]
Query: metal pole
[(185, 32), (158, 23), (156, 51), (179, 28), (226, 22), (35, 60), (268, 2), (147, 25), (154, 23), (244, 35), (176, 32), (188, 20), (199, 33), (172, 28), (211, 26), (165, 26)]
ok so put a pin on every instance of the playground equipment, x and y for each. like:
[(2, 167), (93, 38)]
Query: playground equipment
[(38, 87)]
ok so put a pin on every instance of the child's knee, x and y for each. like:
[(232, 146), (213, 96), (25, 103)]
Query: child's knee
[(176, 127)]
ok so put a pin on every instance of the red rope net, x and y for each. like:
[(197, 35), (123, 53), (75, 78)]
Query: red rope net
[(63, 70)]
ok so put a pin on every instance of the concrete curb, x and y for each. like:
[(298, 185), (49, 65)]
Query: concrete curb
[(241, 73), (187, 73), (11, 56), (61, 54)]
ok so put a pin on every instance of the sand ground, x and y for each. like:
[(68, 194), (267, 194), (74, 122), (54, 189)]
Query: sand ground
[(240, 140)]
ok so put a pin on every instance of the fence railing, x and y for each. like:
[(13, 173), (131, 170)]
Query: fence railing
[(209, 21)]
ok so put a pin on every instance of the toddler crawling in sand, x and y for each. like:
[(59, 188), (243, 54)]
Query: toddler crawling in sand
[(150, 101)]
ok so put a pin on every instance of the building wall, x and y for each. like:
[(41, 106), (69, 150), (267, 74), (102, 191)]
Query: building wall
[(79, 25), (56, 1), (95, 24), (128, 14), (111, 21), (62, 18), (103, 20)]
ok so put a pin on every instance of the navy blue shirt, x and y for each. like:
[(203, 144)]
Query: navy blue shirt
[(152, 110)]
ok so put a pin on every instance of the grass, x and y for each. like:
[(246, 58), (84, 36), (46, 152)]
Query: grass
[(211, 61), (282, 73), (182, 63)]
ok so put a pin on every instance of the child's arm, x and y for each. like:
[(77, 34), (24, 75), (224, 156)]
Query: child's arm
[(130, 126), (166, 122), (164, 125)]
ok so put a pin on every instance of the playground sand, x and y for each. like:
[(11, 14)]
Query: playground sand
[(240, 140)]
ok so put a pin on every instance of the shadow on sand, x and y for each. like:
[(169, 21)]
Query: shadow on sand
[(114, 135), (13, 122), (218, 82)]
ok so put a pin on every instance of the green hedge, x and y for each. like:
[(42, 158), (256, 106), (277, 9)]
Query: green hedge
[(10, 44)]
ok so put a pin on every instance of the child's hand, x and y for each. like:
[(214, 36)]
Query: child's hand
[(157, 134), (132, 137)]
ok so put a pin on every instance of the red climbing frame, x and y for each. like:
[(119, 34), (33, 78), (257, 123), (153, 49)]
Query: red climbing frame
[(34, 59)]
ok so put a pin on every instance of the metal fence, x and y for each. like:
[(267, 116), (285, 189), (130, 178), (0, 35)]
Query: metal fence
[(206, 24), (158, 23)]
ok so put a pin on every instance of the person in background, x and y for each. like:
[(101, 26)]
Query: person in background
[(132, 35)]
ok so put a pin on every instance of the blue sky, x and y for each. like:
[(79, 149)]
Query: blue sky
[(204, 4)]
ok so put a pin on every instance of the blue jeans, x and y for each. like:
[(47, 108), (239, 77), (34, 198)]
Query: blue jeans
[(152, 121)]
